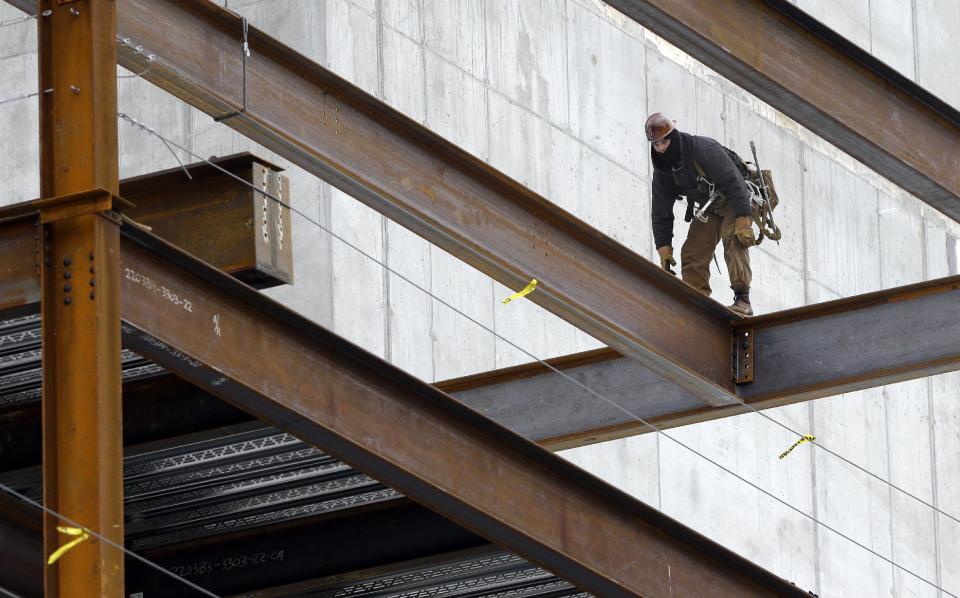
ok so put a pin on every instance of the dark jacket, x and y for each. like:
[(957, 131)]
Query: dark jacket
[(669, 183)]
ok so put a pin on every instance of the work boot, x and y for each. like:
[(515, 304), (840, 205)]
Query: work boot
[(741, 301)]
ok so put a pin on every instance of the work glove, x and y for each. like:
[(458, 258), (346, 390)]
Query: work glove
[(743, 231), (666, 259)]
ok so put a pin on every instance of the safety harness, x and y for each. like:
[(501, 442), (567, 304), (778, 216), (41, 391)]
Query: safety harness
[(761, 211)]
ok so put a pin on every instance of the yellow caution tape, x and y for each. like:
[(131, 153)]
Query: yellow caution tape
[(805, 438), (70, 531), (526, 291)]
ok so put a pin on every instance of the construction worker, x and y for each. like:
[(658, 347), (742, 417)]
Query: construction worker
[(700, 168)]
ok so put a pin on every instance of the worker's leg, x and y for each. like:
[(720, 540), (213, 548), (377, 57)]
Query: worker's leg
[(735, 255), (697, 251)]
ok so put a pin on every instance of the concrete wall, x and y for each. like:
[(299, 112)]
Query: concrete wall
[(554, 93)]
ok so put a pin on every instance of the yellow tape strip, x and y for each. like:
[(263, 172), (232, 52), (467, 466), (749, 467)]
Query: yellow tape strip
[(526, 291), (70, 531), (805, 438)]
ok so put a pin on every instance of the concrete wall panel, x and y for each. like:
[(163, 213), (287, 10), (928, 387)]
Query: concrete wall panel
[(404, 84), (843, 239), (849, 18), (607, 91), (911, 469), (461, 347), (20, 142), (850, 501), (404, 16), (891, 34), (456, 105), (630, 464), (529, 149), (454, 29), (901, 240), (945, 417), (672, 90), (527, 54), (351, 37), (938, 22), (18, 38)]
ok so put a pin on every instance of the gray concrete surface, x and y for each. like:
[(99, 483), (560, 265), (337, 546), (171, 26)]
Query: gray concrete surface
[(554, 93)]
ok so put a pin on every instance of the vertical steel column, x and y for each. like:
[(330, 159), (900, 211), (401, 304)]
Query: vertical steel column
[(82, 425)]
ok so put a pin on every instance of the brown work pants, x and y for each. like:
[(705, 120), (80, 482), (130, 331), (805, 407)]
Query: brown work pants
[(697, 251)]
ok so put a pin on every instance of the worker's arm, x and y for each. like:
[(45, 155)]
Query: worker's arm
[(721, 171), (661, 210)]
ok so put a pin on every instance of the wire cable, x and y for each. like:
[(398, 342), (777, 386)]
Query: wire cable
[(24, 96), (105, 540), (639, 419)]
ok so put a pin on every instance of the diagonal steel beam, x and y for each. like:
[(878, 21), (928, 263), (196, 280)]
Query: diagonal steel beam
[(427, 184), (245, 348), (839, 91)]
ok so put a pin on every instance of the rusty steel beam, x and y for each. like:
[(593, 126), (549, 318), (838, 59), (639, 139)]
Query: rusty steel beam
[(249, 350), (839, 91), (219, 219), (855, 343), (352, 140), (80, 300), (801, 354), (19, 278)]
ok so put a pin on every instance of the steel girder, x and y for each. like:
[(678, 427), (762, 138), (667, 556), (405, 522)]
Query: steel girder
[(239, 345), (338, 132), (828, 84)]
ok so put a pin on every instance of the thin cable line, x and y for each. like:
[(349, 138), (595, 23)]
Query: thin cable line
[(23, 97), (16, 21), (154, 58), (104, 539), (541, 361)]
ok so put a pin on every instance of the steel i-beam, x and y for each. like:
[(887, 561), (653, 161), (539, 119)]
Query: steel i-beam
[(338, 132), (80, 300), (243, 347)]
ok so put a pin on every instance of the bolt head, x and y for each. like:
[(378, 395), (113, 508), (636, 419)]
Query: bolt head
[(67, 261)]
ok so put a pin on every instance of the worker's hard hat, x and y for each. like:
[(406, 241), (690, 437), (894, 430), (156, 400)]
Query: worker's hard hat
[(658, 126)]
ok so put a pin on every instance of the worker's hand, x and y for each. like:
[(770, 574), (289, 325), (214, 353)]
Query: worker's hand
[(743, 231), (666, 259)]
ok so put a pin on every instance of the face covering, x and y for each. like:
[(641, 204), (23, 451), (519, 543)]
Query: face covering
[(672, 157)]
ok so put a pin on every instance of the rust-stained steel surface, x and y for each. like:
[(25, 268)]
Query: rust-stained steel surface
[(251, 351), (427, 184), (219, 219), (19, 268), (859, 342), (801, 354), (80, 300), (837, 90)]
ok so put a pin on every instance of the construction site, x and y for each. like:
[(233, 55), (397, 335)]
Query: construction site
[(409, 298)]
